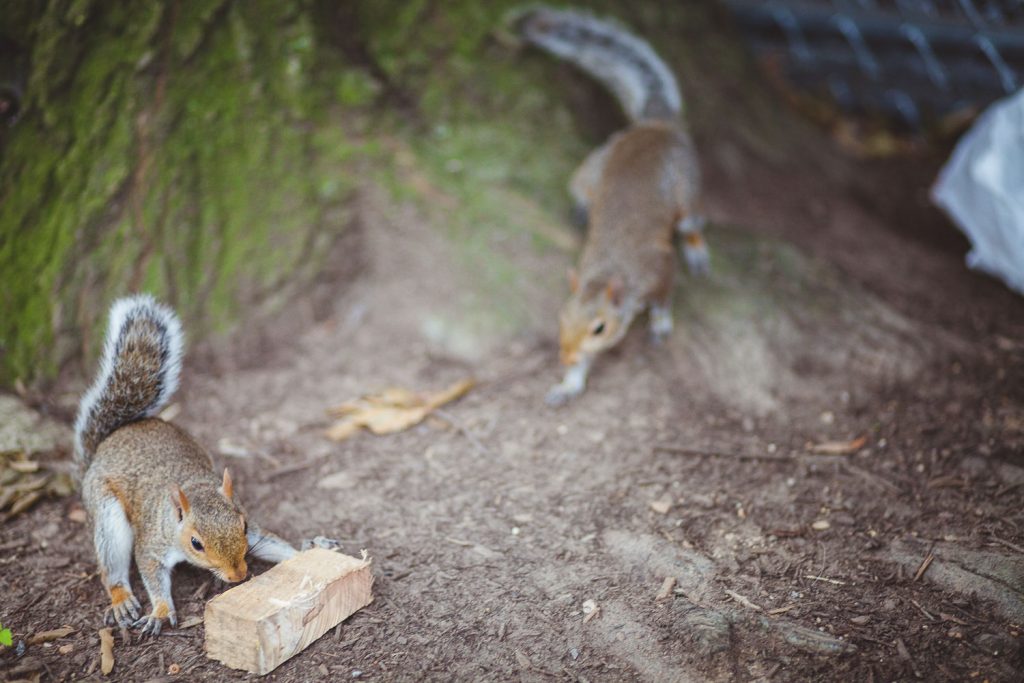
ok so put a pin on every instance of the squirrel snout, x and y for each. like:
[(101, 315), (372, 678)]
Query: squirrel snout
[(236, 574), (569, 356)]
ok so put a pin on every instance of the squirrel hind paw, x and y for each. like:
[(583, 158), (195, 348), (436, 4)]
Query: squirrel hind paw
[(698, 261)]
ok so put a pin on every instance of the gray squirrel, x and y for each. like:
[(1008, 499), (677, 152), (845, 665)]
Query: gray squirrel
[(150, 488), (638, 191)]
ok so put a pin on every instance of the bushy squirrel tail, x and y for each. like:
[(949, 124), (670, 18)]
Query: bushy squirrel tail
[(138, 371), (624, 63)]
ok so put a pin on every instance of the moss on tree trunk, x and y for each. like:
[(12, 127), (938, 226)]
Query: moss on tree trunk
[(178, 148)]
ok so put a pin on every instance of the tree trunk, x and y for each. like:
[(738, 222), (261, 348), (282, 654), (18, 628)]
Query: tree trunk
[(172, 147)]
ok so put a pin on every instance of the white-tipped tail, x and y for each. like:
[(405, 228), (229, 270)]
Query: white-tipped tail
[(624, 63), (138, 372)]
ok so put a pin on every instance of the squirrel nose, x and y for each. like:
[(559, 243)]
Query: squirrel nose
[(237, 574)]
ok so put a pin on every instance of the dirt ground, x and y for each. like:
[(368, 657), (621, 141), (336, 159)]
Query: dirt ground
[(835, 312)]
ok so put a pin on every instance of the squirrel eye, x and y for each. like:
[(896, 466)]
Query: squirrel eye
[(196, 544), (598, 328)]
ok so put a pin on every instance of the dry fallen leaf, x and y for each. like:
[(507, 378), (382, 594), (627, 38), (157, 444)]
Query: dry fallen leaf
[(47, 636), (392, 410), (839, 447), (24, 482), (106, 651)]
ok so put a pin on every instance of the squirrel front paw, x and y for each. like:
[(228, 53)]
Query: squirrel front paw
[(124, 608), (321, 542), (560, 394), (152, 623)]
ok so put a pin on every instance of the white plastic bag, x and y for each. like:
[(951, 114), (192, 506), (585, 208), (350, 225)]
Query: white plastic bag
[(981, 187)]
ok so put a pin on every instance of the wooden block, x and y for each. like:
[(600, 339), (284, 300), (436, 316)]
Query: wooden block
[(263, 622)]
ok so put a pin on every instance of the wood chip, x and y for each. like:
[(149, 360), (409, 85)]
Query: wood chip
[(523, 661), (590, 610), (66, 649), (190, 623), (743, 600), (106, 651), (666, 588), (47, 636), (24, 466), (821, 525), (860, 620), (661, 506), (78, 514), (839, 447)]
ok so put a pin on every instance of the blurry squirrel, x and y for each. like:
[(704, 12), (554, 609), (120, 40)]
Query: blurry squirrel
[(636, 191), (149, 488)]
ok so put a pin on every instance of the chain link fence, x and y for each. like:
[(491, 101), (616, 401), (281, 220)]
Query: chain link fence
[(913, 60)]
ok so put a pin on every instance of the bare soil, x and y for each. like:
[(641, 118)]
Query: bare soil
[(828, 319)]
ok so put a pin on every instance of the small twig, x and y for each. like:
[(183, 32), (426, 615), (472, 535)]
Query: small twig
[(870, 477), (1012, 546), (458, 541), (680, 450), (447, 417), (901, 647), (291, 469), (825, 579), (780, 610), (743, 600), (923, 610), (1006, 489), (924, 566)]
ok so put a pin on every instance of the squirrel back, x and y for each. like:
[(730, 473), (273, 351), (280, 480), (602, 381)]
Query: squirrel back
[(624, 63), (139, 372)]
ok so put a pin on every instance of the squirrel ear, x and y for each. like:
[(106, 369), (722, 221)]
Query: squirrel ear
[(574, 280), (613, 291), (226, 487), (180, 501)]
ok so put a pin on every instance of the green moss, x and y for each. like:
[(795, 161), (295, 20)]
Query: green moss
[(165, 148)]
